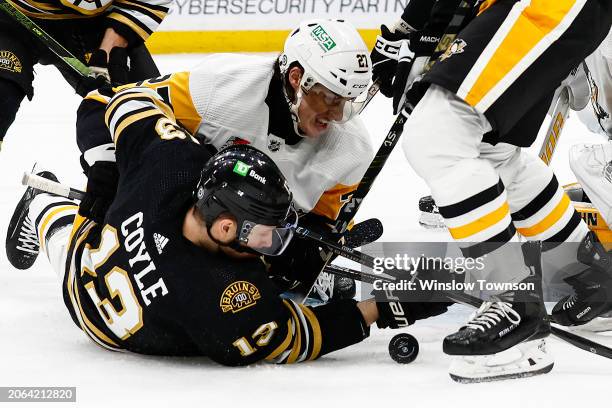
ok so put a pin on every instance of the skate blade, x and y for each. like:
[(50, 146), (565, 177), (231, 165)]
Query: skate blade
[(431, 220), (524, 360), (597, 325)]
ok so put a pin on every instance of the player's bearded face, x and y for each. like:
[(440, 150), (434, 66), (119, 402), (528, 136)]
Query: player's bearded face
[(318, 108)]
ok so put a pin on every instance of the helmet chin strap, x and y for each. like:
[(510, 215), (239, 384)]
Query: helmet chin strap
[(293, 109)]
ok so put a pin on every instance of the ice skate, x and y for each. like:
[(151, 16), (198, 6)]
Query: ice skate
[(22, 244), (523, 360), (592, 287)]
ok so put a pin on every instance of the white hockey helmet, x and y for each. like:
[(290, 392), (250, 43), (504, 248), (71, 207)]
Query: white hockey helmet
[(332, 53)]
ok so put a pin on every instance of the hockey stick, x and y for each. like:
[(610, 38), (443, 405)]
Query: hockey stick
[(62, 53), (53, 187), (348, 211), (559, 117), (463, 298)]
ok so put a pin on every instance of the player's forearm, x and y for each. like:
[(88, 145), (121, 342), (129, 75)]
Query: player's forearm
[(111, 40)]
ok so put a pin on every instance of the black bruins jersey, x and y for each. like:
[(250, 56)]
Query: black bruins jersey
[(136, 283), (135, 20)]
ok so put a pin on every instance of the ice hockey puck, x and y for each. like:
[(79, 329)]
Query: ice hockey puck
[(403, 348)]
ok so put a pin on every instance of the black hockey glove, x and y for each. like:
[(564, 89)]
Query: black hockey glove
[(303, 259), (384, 57), (400, 308), (102, 180), (106, 69), (412, 60), (394, 314)]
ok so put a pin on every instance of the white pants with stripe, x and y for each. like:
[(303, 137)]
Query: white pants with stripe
[(442, 141)]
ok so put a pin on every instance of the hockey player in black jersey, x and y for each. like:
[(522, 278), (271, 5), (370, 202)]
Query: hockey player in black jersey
[(481, 101), (172, 267), (104, 34)]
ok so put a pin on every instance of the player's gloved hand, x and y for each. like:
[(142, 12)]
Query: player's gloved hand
[(303, 259), (102, 181), (385, 55), (113, 67), (412, 60), (402, 307), (395, 314)]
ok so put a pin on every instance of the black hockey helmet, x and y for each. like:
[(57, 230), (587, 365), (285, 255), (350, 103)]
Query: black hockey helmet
[(246, 183)]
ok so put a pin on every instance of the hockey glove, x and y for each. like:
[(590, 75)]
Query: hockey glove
[(412, 60), (394, 314), (301, 262), (385, 55), (102, 180)]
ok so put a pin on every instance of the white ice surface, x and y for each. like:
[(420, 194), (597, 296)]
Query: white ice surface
[(40, 346)]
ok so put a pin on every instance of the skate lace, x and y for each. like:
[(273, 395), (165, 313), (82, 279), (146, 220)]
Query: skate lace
[(491, 313), (324, 286), (28, 238)]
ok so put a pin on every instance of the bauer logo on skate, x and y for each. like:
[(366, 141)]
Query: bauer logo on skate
[(9, 62), (238, 296)]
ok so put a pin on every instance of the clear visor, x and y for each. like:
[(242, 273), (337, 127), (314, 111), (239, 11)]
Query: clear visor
[(338, 108), (268, 239)]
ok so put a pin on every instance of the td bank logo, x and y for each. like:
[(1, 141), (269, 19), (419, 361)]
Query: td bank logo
[(324, 40), (241, 168)]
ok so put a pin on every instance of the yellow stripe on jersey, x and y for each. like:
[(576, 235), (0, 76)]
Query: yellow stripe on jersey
[(284, 345), (485, 5), (130, 120), (297, 340), (332, 200), (316, 332), (547, 222), (158, 13), (180, 98), (481, 223), (124, 97), (135, 27), (51, 216), (79, 233), (98, 97), (182, 103), (529, 29)]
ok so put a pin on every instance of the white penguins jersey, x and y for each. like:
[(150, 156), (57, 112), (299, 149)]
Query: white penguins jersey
[(223, 101)]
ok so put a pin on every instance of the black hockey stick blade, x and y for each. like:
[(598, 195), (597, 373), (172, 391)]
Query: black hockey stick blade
[(364, 233)]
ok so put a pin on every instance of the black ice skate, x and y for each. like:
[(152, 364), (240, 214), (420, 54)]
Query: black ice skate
[(497, 326), (502, 341), (592, 288), (22, 244)]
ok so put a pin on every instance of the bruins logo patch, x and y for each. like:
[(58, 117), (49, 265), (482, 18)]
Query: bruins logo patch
[(9, 61), (238, 296)]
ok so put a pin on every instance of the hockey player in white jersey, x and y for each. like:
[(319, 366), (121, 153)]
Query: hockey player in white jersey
[(299, 107), (483, 100)]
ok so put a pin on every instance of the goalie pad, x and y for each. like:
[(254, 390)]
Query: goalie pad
[(592, 165)]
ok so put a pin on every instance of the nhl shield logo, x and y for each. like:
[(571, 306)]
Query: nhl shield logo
[(456, 47), (238, 296)]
